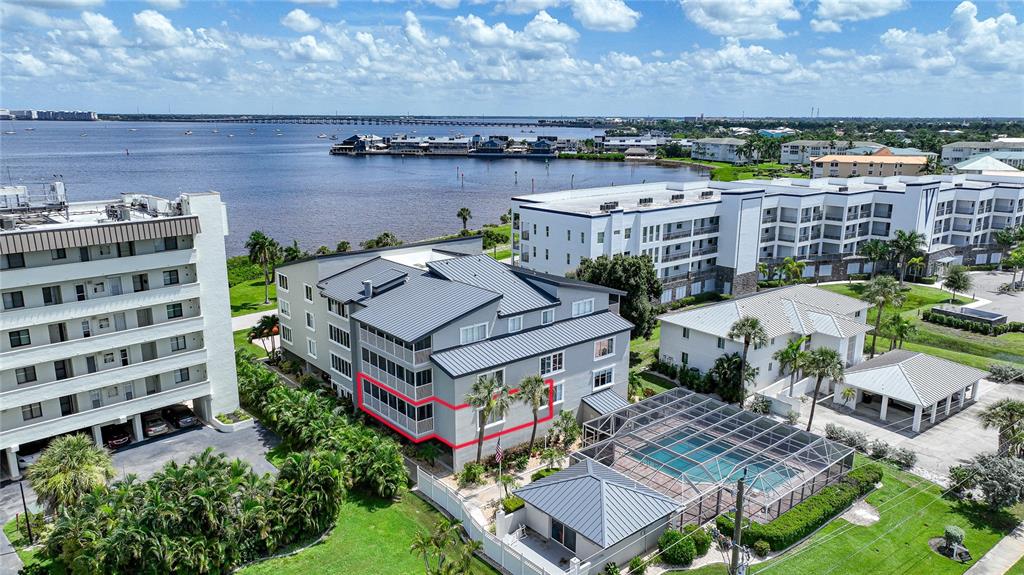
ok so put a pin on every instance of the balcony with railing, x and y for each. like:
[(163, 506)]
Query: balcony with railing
[(402, 420), (675, 255), (790, 238), (834, 214), (769, 218), (675, 234), (883, 211), (67, 272), (964, 208), (961, 227), (395, 348), (1004, 207), (788, 216), (705, 230), (705, 251), (415, 392)]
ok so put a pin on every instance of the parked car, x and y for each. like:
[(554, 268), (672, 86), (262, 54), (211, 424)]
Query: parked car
[(115, 436), (179, 416), (28, 459), (153, 424)]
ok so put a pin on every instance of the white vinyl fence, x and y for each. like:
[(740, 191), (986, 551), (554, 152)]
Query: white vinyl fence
[(497, 550)]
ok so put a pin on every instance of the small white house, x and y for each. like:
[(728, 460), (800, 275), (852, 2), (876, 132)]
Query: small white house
[(697, 337)]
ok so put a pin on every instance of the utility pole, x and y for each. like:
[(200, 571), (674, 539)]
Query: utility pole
[(737, 529), (28, 516)]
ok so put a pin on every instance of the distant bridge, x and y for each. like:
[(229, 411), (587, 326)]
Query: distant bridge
[(392, 120)]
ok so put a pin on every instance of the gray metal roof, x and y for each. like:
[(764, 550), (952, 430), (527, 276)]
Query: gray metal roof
[(422, 305), (912, 377), (483, 271), (475, 357), (347, 285), (73, 236), (597, 502), (605, 401)]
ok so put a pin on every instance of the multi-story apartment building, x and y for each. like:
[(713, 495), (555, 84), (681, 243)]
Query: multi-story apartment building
[(103, 314), (848, 166), (405, 333), (706, 235), (720, 150), (801, 151), (957, 152)]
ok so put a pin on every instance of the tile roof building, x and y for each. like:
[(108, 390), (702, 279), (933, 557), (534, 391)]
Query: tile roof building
[(406, 331)]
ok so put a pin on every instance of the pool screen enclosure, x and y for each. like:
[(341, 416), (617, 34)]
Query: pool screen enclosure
[(693, 448)]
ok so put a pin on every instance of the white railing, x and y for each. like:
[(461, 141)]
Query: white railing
[(497, 550)]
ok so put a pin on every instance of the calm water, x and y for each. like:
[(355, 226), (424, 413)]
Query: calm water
[(288, 185)]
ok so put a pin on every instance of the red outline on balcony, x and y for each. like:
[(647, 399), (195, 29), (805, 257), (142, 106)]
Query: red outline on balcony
[(360, 376)]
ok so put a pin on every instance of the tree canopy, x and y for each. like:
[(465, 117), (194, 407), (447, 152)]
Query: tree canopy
[(634, 275)]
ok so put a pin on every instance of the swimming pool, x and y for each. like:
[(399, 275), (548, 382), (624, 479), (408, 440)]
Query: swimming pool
[(702, 447)]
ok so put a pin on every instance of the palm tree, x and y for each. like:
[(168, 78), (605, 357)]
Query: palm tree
[(343, 247), (793, 270), (533, 391), (508, 482), (876, 251), (293, 252), (848, 394), (823, 362), (423, 545), (1016, 261), (635, 387), (490, 397), (1005, 239), (322, 251), (750, 331), (957, 280), (881, 291), (906, 245), (465, 215), (69, 467), (266, 328), (264, 252), (1006, 415), (915, 265), (900, 328), (792, 358)]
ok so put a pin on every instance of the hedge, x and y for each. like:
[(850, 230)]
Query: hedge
[(804, 518), (512, 503), (676, 549), (544, 473), (974, 326), (701, 538)]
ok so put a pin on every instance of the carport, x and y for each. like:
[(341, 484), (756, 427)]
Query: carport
[(912, 380)]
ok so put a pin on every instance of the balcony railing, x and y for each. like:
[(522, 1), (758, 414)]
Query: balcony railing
[(675, 256), (674, 234), (788, 219), (401, 352), (965, 211), (1004, 209), (402, 420), (61, 273), (833, 236), (526, 235), (788, 239), (401, 386), (769, 219), (961, 228), (834, 218), (705, 251), (705, 230)]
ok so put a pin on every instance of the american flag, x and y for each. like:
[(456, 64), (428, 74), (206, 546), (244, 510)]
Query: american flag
[(498, 453)]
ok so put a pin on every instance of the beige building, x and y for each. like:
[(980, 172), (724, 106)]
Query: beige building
[(836, 166)]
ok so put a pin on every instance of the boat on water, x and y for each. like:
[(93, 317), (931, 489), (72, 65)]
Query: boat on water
[(334, 136), (30, 129), (279, 134), (133, 129), (322, 136), (216, 131), (231, 135), (10, 132), (188, 132), (82, 135)]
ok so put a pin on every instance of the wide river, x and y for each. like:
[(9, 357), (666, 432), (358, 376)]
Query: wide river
[(288, 185)]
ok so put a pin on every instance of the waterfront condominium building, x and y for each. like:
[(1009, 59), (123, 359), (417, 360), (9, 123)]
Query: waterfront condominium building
[(850, 166), (956, 152), (710, 236), (405, 333), (801, 151), (110, 309), (720, 150)]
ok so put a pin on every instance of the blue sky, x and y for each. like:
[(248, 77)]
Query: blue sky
[(517, 57)]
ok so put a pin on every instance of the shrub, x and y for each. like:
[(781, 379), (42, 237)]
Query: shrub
[(512, 504), (676, 549), (761, 548), (953, 535), (903, 458), (637, 566), (865, 477), (961, 478), (878, 449), (1006, 373), (611, 569), (541, 474), (792, 417), (701, 539), (834, 432), (760, 404), (471, 474)]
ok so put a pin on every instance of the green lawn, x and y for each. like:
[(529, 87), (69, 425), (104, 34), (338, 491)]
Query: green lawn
[(30, 557), (1017, 569), (712, 569), (241, 342), (725, 172), (652, 381), (896, 544), (968, 348), (647, 350), (372, 537), (247, 297)]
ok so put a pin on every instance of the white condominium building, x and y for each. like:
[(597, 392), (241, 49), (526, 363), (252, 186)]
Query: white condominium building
[(110, 309), (720, 150), (801, 151), (705, 235), (956, 152)]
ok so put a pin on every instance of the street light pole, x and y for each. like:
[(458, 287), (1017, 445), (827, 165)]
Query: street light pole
[(737, 529), (28, 516)]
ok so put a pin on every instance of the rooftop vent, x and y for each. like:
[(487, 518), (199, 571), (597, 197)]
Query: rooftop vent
[(883, 187), (958, 185), (678, 197), (367, 288), (609, 206), (706, 194), (645, 201), (844, 188)]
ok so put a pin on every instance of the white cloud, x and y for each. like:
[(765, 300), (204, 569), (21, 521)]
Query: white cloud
[(445, 4), (830, 52), (309, 49), (28, 64), (100, 30), (606, 15), (526, 6), (658, 54), (417, 35), (857, 10), (32, 16), (257, 42), (825, 26), (300, 21), (156, 29), (545, 28), (167, 4), (624, 61), (544, 37), (745, 19), (327, 3)]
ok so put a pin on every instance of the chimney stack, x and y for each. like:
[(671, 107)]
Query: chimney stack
[(367, 288)]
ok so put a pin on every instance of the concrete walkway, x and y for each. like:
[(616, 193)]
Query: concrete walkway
[(1003, 556), (249, 320)]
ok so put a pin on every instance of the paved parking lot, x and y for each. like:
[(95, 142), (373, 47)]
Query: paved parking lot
[(986, 286)]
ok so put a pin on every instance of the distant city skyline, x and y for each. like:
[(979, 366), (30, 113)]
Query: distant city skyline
[(750, 58)]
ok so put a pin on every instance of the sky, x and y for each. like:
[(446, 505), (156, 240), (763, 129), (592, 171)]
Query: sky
[(516, 57)]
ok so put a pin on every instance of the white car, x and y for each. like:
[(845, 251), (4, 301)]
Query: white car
[(25, 460)]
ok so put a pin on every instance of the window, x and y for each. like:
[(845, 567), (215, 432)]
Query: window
[(51, 295), (547, 316), (140, 282), (600, 237), (174, 310), (15, 260), (425, 377), (20, 338), (171, 243), (181, 375), (559, 391), (336, 307), (582, 307), (108, 357), (31, 411), (311, 347), (547, 231), (286, 333), (284, 307), (515, 323), (105, 250), (603, 377), (25, 374), (568, 235), (604, 347), (282, 282), (546, 253), (112, 391), (499, 375), (341, 366), (170, 277), (685, 358), (178, 343), (583, 238), (62, 369), (563, 535), (553, 363), (308, 290), (310, 322), (58, 254), (473, 333), (567, 261), (856, 313), (339, 336), (626, 233), (721, 343), (686, 332), (96, 398), (13, 300)]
